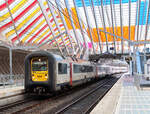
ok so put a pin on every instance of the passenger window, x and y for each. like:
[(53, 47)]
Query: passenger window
[(77, 68), (82, 68), (62, 68), (91, 69)]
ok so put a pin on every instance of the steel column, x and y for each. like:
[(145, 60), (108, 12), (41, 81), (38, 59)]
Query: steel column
[(143, 18), (72, 23), (59, 30), (95, 19), (139, 4), (103, 17), (64, 23), (80, 23), (48, 22), (109, 22), (112, 24), (12, 20), (136, 19), (115, 18), (87, 20), (54, 38), (129, 23), (10, 66), (147, 22), (121, 23)]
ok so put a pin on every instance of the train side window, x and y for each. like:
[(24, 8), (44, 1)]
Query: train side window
[(62, 68), (86, 68), (77, 68), (83, 68), (89, 69)]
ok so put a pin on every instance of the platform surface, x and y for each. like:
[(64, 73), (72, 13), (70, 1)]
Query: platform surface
[(125, 98), (133, 100), (108, 103), (10, 90)]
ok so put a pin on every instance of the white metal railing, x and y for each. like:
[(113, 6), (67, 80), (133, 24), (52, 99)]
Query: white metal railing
[(7, 80)]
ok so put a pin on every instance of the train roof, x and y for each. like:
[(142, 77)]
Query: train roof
[(45, 53), (55, 56)]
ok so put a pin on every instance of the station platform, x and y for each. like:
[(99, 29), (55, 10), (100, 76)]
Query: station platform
[(10, 91), (125, 97)]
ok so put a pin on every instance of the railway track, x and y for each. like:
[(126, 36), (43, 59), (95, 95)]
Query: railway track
[(11, 107), (85, 103), (26, 104), (5, 107), (35, 105)]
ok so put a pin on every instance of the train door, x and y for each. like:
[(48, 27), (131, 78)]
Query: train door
[(63, 73), (71, 74), (96, 72)]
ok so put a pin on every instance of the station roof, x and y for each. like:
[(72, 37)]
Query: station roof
[(77, 26)]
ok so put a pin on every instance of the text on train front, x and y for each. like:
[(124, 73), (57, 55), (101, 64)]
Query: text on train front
[(39, 68)]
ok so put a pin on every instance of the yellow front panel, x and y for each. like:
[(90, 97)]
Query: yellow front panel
[(39, 69), (39, 75)]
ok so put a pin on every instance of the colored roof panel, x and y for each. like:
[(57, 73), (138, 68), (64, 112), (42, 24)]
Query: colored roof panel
[(38, 22)]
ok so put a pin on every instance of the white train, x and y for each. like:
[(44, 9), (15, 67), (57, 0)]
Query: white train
[(46, 73)]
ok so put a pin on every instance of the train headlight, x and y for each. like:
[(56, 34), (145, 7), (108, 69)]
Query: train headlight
[(46, 76)]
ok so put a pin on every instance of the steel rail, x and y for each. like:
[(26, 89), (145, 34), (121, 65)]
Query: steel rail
[(82, 97), (7, 106), (87, 111), (12, 95)]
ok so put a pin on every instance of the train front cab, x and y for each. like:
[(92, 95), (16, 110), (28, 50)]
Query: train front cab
[(39, 69), (39, 73)]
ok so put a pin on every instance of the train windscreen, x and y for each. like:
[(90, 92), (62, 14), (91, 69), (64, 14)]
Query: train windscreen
[(39, 69), (39, 64)]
